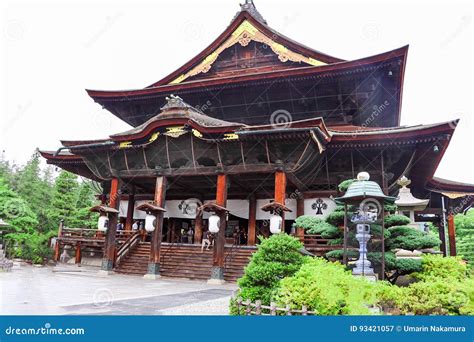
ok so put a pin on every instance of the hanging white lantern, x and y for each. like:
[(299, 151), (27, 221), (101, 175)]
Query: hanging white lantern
[(214, 223), (103, 223), (150, 222), (275, 224)]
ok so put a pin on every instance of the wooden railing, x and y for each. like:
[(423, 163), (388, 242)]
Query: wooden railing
[(80, 232), (130, 243), (248, 308)]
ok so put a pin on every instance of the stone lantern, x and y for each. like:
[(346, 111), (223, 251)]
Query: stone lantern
[(407, 203), (368, 196)]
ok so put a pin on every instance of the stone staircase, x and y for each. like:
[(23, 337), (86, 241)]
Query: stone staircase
[(186, 261)]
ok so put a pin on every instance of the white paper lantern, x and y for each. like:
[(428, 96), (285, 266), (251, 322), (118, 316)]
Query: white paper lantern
[(214, 223), (103, 223), (275, 224), (150, 222)]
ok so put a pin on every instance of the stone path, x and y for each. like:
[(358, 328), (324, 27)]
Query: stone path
[(72, 290)]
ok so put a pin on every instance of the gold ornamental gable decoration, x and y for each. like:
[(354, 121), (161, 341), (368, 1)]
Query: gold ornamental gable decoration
[(243, 35)]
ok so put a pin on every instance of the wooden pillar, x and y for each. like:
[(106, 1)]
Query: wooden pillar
[(198, 229), (280, 193), (300, 212), (217, 273), (130, 209), (57, 247), (252, 226), (109, 250), (452, 235), (154, 260), (78, 256), (442, 236)]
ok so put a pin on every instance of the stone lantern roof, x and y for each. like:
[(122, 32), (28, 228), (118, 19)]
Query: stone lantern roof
[(405, 200)]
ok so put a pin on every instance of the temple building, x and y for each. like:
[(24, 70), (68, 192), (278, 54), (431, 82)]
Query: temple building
[(255, 120)]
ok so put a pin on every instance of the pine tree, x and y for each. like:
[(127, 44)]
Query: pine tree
[(63, 202), (34, 189), (15, 211), (83, 217)]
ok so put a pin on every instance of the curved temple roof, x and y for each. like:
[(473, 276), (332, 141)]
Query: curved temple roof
[(295, 61)]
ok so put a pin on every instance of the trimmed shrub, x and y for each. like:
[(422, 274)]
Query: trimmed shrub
[(410, 238), (277, 257), (396, 220), (326, 288), (314, 225), (344, 185), (338, 254), (336, 218)]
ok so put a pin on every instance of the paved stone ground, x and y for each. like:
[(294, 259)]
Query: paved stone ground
[(72, 290)]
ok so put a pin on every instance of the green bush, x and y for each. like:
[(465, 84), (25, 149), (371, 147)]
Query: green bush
[(409, 238), (326, 288), (336, 218), (30, 246), (464, 224), (338, 254), (344, 185), (390, 208), (438, 297), (276, 257), (439, 267), (376, 231), (314, 225), (396, 220)]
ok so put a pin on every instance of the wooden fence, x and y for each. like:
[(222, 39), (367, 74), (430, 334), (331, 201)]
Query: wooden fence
[(248, 308)]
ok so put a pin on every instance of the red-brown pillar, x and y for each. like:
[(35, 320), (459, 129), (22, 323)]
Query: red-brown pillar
[(130, 209), (154, 260), (300, 212), (280, 193), (109, 250), (252, 227), (217, 273), (78, 256), (452, 235), (198, 229)]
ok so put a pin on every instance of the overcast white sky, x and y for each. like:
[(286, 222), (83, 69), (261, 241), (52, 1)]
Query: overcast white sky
[(52, 51)]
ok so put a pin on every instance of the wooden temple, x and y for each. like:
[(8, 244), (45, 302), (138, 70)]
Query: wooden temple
[(255, 118)]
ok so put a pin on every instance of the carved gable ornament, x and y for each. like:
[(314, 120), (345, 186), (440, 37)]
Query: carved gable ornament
[(244, 34)]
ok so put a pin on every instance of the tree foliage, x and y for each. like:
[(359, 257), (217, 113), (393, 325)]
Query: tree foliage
[(465, 235), (33, 203)]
